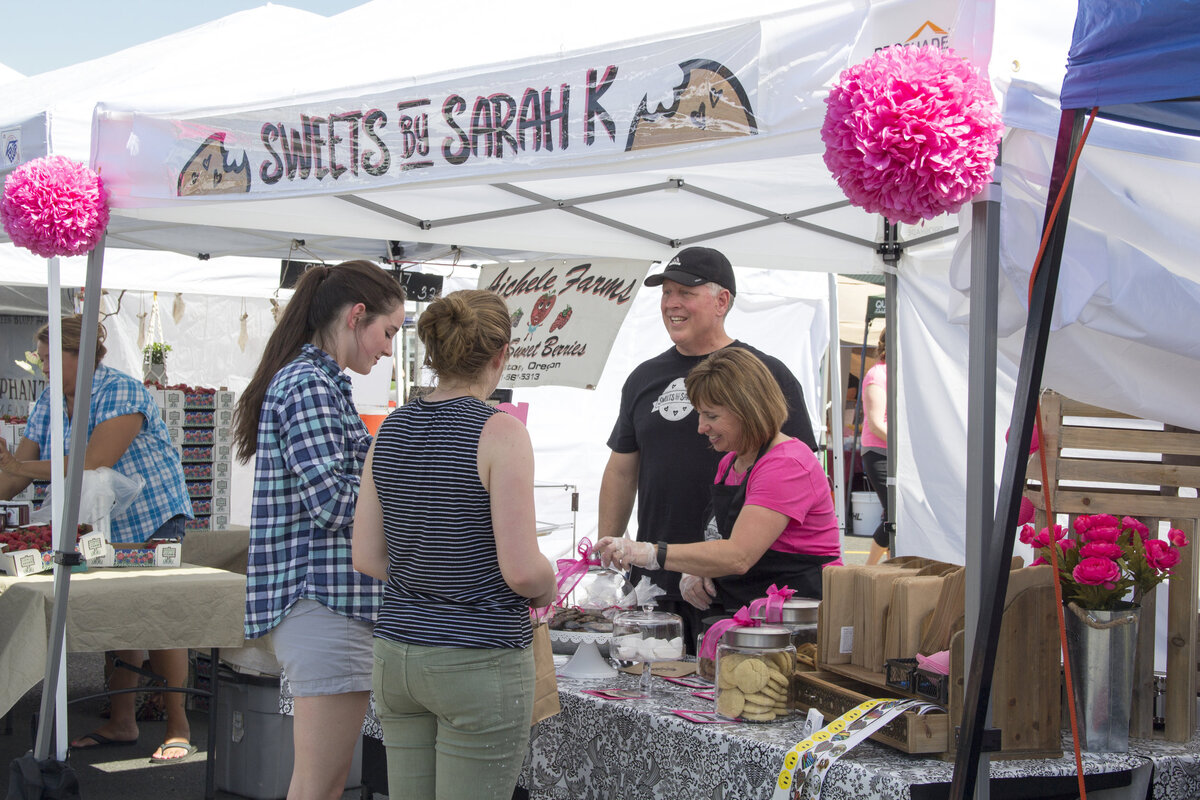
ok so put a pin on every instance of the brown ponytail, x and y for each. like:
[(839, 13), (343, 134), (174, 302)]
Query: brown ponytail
[(322, 293)]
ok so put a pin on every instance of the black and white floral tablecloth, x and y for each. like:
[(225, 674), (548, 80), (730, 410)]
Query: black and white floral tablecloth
[(638, 749)]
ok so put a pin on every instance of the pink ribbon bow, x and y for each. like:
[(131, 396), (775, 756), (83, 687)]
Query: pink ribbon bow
[(772, 602), (570, 572), (712, 637)]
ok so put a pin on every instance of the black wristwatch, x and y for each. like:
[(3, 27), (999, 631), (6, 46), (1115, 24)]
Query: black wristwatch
[(662, 555)]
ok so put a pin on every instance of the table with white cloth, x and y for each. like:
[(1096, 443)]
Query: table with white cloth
[(116, 608), (599, 749)]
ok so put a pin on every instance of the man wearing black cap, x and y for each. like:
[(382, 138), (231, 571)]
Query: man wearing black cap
[(658, 455)]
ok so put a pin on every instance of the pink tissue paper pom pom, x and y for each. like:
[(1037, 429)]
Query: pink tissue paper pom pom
[(54, 206), (911, 132)]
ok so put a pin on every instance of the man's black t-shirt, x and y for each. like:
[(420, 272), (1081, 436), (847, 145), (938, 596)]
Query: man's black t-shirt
[(676, 465)]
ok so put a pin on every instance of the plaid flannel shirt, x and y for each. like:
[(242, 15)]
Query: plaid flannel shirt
[(311, 449), (150, 454)]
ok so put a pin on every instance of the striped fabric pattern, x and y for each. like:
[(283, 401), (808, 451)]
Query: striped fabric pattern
[(311, 449), (444, 584), (150, 454)]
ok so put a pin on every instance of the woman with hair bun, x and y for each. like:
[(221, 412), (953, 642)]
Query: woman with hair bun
[(446, 518), (297, 416)]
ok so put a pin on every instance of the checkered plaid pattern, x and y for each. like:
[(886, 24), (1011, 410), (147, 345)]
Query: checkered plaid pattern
[(150, 455), (311, 449)]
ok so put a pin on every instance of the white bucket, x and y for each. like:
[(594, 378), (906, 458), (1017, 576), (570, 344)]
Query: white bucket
[(866, 512)]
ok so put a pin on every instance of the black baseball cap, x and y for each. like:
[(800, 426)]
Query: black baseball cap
[(694, 266)]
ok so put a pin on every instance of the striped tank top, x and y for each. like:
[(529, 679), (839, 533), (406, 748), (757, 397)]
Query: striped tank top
[(444, 586)]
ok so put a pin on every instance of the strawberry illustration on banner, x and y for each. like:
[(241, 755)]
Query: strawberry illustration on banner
[(561, 320), (541, 310)]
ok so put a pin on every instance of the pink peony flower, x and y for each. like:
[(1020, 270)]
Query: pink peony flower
[(1105, 534), (1160, 555), (55, 207), (1027, 512), (1101, 550), (1026, 534), (911, 132), (1177, 537), (1066, 544), (1038, 561), (1097, 572), (1043, 537), (1129, 523)]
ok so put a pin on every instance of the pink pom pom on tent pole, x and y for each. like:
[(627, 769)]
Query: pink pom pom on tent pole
[(54, 206), (911, 132)]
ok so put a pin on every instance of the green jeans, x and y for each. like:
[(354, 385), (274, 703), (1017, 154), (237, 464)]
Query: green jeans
[(455, 720)]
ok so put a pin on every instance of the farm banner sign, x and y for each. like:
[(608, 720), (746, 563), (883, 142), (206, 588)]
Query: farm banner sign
[(565, 316), (627, 104)]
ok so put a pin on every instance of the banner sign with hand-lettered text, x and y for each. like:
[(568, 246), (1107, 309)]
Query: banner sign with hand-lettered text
[(565, 316)]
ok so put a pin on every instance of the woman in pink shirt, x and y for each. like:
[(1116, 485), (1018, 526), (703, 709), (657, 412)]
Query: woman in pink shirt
[(771, 518), (874, 443)]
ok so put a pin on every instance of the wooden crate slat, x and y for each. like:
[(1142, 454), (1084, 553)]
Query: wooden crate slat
[(1075, 408), (1069, 501), (1137, 441), (1182, 608), (1138, 472)]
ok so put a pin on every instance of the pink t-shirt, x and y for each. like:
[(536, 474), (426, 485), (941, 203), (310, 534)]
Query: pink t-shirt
[(875, 375), (790, 480)]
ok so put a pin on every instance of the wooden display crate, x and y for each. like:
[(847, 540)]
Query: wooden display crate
[(1103, 462)]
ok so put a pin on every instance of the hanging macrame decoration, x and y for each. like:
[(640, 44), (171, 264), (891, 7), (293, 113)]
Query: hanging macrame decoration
[(142, 323), (154, 354), (54, 206), (911, 132), (243, 335)]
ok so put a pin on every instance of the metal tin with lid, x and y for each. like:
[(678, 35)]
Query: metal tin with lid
[(754, 674)]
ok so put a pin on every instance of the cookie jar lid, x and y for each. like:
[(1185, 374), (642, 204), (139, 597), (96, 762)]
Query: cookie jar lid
[(800, 611), (762, 637)]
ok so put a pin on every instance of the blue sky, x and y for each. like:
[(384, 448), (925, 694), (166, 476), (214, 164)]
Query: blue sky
[(42, 35)]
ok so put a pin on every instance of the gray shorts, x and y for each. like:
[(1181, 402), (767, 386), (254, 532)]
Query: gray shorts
[(323, 652)]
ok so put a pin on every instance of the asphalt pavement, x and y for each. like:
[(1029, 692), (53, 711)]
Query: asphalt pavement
[(115, 772)]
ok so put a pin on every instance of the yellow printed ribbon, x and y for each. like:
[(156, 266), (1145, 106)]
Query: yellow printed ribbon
[(802, 775)]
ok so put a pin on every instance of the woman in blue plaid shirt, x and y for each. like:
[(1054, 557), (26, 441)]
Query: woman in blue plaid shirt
[(298, 418), (126, 433)]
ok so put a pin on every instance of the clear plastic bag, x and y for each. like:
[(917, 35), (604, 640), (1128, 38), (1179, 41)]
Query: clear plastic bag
[(106, 493)]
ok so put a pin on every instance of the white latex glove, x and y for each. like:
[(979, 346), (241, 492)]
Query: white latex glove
[(697, 591), (624, 553)]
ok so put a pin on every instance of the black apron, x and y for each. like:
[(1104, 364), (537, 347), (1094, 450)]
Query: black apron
[(797, 571)]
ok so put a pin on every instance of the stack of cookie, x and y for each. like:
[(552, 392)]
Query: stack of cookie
[(754, 675)]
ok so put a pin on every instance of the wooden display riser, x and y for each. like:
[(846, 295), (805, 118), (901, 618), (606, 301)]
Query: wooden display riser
[(1026, 683)]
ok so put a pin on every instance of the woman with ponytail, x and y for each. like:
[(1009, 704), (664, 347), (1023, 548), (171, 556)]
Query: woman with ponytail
[(446, 519), (298, 419)]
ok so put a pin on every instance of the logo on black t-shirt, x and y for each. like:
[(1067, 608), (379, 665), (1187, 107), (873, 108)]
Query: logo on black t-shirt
[(673, 403)]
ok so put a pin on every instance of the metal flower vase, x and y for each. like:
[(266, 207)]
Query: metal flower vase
[(1102, 646)]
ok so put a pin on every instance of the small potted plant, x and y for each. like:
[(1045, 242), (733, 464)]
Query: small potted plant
[(154, 362)]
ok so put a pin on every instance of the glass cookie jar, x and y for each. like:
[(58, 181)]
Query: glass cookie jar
[(798, 615), (754, 674)]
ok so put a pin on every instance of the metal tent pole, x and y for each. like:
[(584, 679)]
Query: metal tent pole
[(65, 557), (998, 549)]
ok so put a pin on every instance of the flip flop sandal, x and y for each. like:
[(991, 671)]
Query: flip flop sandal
[(188, 746), (102, 741)]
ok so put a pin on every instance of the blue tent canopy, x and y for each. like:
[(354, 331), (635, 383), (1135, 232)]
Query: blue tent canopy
[(1131, 52)]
